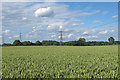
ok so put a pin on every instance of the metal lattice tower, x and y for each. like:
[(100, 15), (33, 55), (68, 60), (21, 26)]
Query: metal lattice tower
[(61, 36)]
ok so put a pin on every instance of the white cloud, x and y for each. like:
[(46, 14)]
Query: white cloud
[(74, 19), (65, 13), (59, 37), (52, 33), (74, 24), (82, 23), (85, 32), (112, 30), (55, 25), (24, 18), (70, 35), (2, 17), (78, 37), (105, 12), (115, 16), (33, 27), (93, 30), (9, 37), (87, 37), (64, 36), (6, 32), (53, 36), (97, 21), (103, 32), (52, 27), (44, 12), (49, 26), (61, 27), (16, 36), (92, 36), (90, 13)]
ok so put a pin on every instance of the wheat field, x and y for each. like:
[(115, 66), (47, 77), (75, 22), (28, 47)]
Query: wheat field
[(60, 62)]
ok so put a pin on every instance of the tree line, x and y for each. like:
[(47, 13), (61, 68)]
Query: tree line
[(80, 42)]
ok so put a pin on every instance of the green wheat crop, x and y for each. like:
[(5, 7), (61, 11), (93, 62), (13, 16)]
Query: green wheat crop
[(60, 62)]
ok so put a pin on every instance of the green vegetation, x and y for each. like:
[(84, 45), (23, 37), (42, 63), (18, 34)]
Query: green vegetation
[(60, 62), (80, 42)]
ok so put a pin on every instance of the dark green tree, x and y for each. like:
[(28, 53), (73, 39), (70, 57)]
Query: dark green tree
[(81, 42), (38, 43), (6, 44), (111, 40), (27, 43), (49, 42), (17, 43)]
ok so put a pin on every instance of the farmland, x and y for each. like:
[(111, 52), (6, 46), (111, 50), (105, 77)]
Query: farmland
[(60, 62)]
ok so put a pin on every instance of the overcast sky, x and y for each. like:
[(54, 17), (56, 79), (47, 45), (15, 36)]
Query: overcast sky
[(42, 20)]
